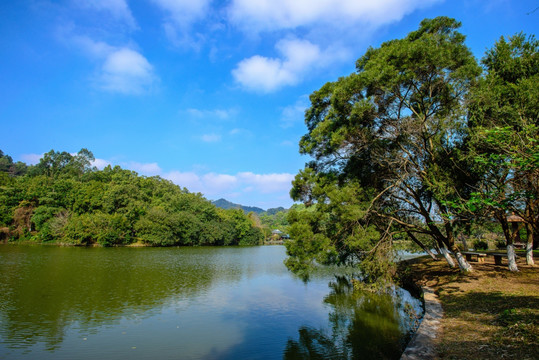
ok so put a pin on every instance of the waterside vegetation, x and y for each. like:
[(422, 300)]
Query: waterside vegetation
[(64, 200)]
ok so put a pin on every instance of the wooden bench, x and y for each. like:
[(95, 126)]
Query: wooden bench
[(475, 256), (498, 258)]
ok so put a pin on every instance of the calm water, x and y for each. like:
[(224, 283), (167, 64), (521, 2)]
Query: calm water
[(186, 303)]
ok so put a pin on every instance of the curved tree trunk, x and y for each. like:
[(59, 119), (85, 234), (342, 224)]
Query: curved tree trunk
[(463, 264), (422, 246), (450, 242), (447, 257)]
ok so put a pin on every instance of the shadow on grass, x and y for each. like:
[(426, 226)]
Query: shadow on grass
[(513, 318)]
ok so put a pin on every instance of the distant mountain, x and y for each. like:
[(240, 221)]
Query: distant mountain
[(225, 204)]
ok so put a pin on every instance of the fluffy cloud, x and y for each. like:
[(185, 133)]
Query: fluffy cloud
[(267, 183), (31, 159), (100, 163), (271, 15), (127, 71), (330, 29), (240, 186), (148, 169), (189, 180), (123, 70), (264, 74)]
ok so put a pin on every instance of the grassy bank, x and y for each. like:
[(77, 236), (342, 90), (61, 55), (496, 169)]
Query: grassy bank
[(491, 313)]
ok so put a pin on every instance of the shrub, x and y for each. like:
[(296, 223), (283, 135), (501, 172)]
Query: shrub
[(481, 245)]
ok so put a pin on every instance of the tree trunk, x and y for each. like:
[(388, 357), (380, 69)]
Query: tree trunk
[(447, 257), (511, 257), (509, 236), (463, 264), (464, 242), (450, 242), (422, 246), (437, 248), (529, 245)]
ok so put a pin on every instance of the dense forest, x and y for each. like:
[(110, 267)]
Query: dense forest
[(64, 199), (421, 143)]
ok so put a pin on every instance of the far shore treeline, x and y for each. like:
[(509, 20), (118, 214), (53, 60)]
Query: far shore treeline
[(65, 200)]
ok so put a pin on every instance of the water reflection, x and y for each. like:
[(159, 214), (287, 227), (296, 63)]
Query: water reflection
[(363, 325), (47, 291), (183, 303)]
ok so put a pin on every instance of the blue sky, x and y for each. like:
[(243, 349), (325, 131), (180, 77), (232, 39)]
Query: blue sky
[(208, 94)]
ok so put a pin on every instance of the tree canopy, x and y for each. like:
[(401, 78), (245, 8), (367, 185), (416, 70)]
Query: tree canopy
[(65, 199), (391, 147)]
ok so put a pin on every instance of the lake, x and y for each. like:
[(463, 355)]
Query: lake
[(188, 303)]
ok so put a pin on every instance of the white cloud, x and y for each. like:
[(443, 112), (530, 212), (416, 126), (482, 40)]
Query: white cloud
[(123, 70), (148, 169), (210, 138), (31, 159), (243, 186), (264, 74), (117, 8), (272, 15), (97, 49), (189, 180), (127, 71), (100, 163), (219, 182), (181, 14), (184, 11), (330, 31), (267, 183)]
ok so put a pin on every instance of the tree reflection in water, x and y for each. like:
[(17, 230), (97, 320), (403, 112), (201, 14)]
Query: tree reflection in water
[(364, 325)]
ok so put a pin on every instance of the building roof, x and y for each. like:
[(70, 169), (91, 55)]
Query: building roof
[(514, 218)]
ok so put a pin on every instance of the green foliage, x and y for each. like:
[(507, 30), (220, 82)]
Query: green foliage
[(386, 143), (338, 229), (8, 167), (67, 200), (504, 133), (275, 219), (480, 245)]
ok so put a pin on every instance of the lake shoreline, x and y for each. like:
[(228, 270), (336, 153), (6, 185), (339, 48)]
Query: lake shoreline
[(489, 312), (97, 245)]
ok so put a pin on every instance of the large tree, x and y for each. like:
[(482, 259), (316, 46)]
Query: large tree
[(504, 125), (395, 128)]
